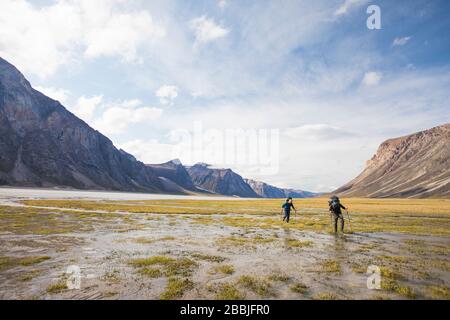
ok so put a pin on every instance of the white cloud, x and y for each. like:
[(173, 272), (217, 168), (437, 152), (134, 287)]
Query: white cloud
[(58, 94), (316, 132), (400, 41), (222, 4), (371, 78), (150, 151), (207, 30), (116, 120), (86, 106), (39, 40), (167, 94), (113, 117), (348, 5)]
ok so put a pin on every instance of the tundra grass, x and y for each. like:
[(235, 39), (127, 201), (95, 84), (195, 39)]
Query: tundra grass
[(175, 288), (228, 292), (299, 288), (28, 261), (331, 266), (260, 206), (259, 286), (169, 266), (409, 216), (57, 287), (224, 269)]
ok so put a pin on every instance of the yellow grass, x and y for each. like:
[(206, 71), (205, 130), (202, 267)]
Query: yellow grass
[(411, 216)]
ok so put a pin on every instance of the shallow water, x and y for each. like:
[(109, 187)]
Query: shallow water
[(36, 193), (104, 252)]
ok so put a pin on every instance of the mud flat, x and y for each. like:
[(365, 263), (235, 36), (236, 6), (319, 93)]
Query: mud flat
[(203, 249)]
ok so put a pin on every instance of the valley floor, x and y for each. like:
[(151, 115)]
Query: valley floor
[(190, 248)]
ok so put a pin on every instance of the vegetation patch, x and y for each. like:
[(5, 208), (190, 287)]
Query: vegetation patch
[(389, 283), (299, 288), (258, 286), (331, 266), (58, 287), (169, 266), (225, 269), (175, 288), (279, 277), (207, 257), (298, 244), (325, 296), (439, 292), (28, 261), (228, 292)]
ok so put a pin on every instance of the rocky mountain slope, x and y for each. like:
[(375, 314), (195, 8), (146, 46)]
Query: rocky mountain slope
[(175, 172), (414, 166), (220, 181), (43, 144)]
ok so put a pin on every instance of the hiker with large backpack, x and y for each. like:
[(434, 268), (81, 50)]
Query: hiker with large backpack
[(335, 209), (287, 209)]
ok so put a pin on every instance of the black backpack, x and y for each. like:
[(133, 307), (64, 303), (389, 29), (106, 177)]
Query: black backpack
[(334, 203)]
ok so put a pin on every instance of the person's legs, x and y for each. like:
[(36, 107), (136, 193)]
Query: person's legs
[(335, 221), (286, 216), (342, 222)]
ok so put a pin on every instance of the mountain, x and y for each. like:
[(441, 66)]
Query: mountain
[(413, 166), (43, 145), (268, 191), (174, 171), (220, 181)]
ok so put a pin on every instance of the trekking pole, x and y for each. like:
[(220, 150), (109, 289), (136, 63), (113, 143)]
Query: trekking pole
[(331, 220), (349, 221)]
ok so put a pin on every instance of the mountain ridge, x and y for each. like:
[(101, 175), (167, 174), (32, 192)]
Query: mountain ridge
[(411, 166)]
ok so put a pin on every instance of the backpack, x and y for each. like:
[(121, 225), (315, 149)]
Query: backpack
[(335, 204)]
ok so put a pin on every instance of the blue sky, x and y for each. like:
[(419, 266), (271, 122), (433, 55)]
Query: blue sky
[(138, 70)]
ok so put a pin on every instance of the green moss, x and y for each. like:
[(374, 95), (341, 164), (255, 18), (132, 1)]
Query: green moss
[(28, 261), (29, 276), (279, 277), (299, 288), (225, 269), (169, 266), (176, 288), (144, 262), (229, 292), (5, 263), (298, 244), (151, 272), (325, 296), (256, 285), (57, 287), (393, 286), (439, 292), (207, 257), (331, 266)]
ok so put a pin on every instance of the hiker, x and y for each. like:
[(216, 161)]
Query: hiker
[(287, 209), (335, 209)]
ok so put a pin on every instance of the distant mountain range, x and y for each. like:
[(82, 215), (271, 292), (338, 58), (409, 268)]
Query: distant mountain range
[(42, 144), (268, 191), (413, 166)]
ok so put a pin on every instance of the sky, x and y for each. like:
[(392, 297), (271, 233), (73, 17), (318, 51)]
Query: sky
[(306, 86)]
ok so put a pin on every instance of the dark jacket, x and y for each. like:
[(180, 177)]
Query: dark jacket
[(337, 210), (287, 206)]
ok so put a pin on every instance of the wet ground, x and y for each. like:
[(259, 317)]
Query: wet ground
[(44, 252)]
